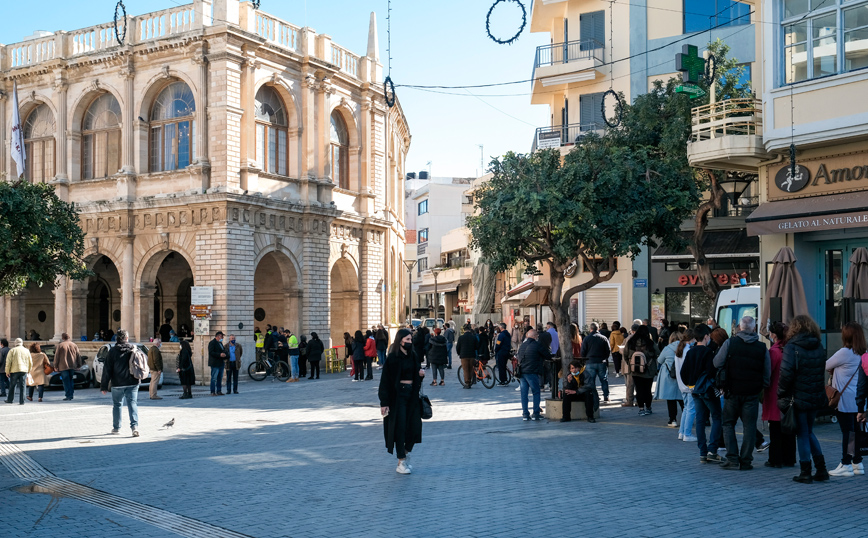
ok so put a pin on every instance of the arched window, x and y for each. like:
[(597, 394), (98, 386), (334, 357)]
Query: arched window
[(339, 152), (271, 138), (101, 138), (173, 131), (39, 131)]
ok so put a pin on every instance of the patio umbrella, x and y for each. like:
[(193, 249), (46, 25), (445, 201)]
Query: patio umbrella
[(786, 283), (857, 278)]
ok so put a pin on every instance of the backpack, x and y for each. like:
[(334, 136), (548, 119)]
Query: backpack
[(139, 364), (638, 363)]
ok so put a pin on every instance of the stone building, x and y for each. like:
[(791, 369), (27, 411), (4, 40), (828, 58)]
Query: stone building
[(216, 146)]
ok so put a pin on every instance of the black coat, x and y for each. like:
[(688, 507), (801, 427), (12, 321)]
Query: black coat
[(466, 346), (531, 357), (215, 348), (116, 370), (482, 351), (861, 390), (803, 374), (187, 375), (389, 381), (437, 350), (358, 350), (420, 343), (315, 349)]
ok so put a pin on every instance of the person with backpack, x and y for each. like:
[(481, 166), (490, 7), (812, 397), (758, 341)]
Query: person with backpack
[(747, 367), (667, 386), (844, 366), (641, 355), (697, 374), (120, 372)]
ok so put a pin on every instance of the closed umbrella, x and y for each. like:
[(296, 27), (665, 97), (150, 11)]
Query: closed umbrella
[(857, 278), (786, 283)]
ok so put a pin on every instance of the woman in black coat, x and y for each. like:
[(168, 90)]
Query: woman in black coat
[(483, 352), (802, 381), (437, 356), (400, 384), (359, 356), (186, 374), (315, 349)]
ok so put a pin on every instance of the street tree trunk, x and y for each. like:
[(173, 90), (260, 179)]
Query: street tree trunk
[(703, 269)]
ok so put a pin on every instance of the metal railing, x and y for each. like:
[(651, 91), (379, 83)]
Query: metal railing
[(744, 207), (740, 117), (571, 51), (564, 135)]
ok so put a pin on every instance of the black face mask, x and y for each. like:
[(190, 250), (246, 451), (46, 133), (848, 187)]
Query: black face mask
[(408, 346)]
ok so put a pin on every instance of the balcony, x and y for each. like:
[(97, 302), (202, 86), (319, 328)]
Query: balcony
[(727, 135), (573, 61), (564, 135)]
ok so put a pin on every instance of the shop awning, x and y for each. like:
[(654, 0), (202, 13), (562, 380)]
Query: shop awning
[(443, 287), (831, 212), (717, 245), (517, 298), (541, 282)]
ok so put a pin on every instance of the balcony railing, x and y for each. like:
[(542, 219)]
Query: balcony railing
[(727, 118), (564, 135), (743, 208), (571, 51)]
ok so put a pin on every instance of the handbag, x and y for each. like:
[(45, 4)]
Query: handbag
[(833, 394), (671, 371), (48, 369), (425, 404), (788, 419), (862, 440)]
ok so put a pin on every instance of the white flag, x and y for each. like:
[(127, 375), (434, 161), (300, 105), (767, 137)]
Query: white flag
[(18, 152)]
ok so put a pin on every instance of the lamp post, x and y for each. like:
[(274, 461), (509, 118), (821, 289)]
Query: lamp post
[(436, 271), (409, 264)]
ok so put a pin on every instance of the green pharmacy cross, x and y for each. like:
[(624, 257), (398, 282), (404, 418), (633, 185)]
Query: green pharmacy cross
[(692, 66)]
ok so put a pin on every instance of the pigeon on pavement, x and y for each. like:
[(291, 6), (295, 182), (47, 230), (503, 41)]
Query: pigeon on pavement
[(169, 424)]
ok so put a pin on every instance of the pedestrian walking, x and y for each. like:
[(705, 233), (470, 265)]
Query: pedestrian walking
[(802, 385), (233, 364), (747, 365), (782, 450), (595, 350), (186, 373), (18, 364), (437, 356), (38, 379), (358, 345), (155, 365), (629, 384), (688, 413), (450, 342), (641, 344), (124, 386), (67, 359), (531, 357), (400, 407), (315, 349), (466, 348), (667, 385), (4, 381), (844, 366), (217, 362), (382, 338), (616, 340)]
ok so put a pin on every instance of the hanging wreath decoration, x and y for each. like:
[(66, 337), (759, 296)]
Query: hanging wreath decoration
[(387, 86), (511, 40), (619, 109), (711, 69), (793, 165), (256, 3), (121, 9)]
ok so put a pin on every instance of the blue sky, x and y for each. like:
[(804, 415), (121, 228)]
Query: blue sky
[(433, 43)]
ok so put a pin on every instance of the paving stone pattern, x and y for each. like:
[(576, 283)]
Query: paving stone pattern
[(307, 460)]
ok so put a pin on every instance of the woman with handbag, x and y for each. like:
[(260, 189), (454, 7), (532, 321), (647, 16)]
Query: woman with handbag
[(186, 374), (782, 450), (844, 365), (400, 404), (801, 386), (641, 342), (38, 379), (667, 386)]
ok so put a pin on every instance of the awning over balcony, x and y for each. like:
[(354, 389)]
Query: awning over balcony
[(717, 245), (833, 212), (443, 287), (529, 292)]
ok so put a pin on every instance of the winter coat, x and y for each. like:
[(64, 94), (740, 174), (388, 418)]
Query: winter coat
[(155, 359), (648, 348), (843, 364), (420, 343), (370, 348), (616, 339), (437, 350), (482, 352), (862, 385), (743, 382), (595, 348), (315, 349), (37, 369), (466, 346), (387, 393), (66, 356), (531, 357), (18, 360), (358, 350), (679, 362), (382, 338), (116, 370), (802, 374), (667, 388), (770, 397), (187, 376), (215, 348), (503, 345)]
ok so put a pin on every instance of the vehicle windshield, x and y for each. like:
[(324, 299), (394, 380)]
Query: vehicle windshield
[(729, 316), (430, 322), (416, 322)]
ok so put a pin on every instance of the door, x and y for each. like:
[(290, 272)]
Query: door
[(834, 259)]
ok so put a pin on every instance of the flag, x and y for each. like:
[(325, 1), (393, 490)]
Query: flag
[(18, 152)]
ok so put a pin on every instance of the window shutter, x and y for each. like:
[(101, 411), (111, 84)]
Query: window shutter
[(601, 304), (592, 26), (591, 111)]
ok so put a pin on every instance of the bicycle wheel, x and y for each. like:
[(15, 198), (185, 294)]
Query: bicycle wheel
[(257, 371), (488, 377), (281, 371), (461, 375)]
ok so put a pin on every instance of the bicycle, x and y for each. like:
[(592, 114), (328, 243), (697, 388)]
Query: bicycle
[(268, 366), (511, 366), (483, 373)]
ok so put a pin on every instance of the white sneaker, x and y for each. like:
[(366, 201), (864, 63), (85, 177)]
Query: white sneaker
[(689, 439), (842, 470), (858, 468), (402, 468), (680, 436), (354, 380), (517, 389)]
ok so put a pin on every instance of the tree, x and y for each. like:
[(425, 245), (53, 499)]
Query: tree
[(40, 235)]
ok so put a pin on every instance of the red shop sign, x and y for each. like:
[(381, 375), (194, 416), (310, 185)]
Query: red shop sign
[(723, 280)]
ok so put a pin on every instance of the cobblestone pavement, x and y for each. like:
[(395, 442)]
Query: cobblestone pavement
[(307, 460)]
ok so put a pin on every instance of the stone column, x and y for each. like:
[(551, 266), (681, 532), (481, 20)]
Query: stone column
[(60, 326), (225, 113), (316, 283), (60, 91), (128, 120), (76, 311), (3, 321), (127, 321), (143, 301), (201, 61), (248, 124), (17, 327)]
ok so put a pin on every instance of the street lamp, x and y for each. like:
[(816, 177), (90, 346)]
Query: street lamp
[(436, 271), (409, 264)]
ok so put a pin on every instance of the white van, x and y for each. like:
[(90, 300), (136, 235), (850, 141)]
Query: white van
[(735, 303)]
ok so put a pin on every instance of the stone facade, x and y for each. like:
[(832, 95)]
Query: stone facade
[(297, 244)]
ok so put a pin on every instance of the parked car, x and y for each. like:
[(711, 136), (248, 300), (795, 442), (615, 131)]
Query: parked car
[(101, 356), (415, 322), (431, 323), (82, 377)]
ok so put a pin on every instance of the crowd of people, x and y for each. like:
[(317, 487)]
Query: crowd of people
[(30, 367)]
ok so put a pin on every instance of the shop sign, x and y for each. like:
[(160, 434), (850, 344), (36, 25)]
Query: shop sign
[(786, 182), (820, 176), (723, 280), (548, 139), (823, 223)]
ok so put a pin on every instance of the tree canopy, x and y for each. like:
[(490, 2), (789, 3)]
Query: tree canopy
[(40, 235)]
